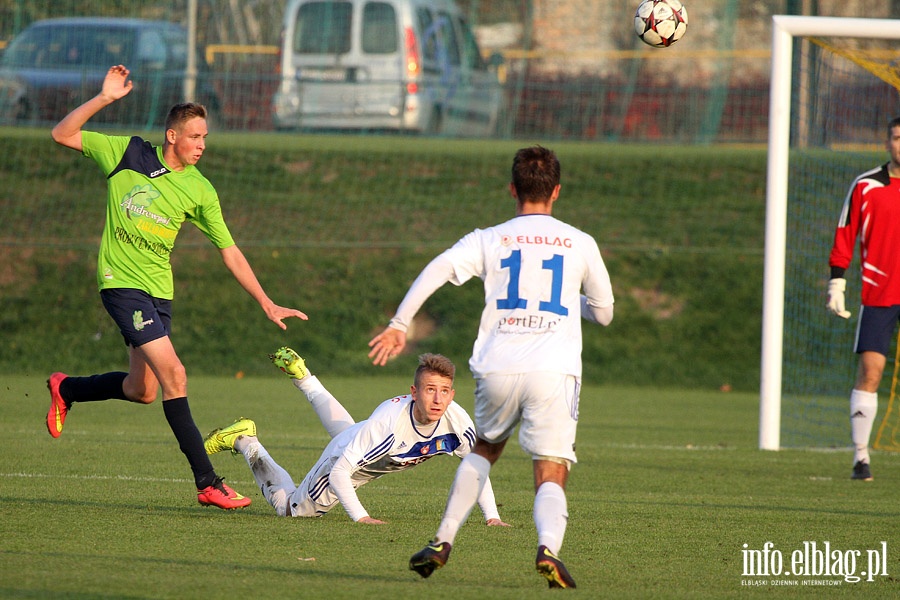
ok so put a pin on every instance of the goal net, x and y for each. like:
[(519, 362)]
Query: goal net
[(834, 88)]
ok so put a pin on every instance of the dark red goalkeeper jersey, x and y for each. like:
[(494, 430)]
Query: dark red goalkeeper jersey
[(871, 212)]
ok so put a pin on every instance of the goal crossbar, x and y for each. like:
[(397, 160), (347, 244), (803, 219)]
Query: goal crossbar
[(784, 29)]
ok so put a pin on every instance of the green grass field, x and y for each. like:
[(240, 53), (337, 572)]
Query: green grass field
[(669, 488)]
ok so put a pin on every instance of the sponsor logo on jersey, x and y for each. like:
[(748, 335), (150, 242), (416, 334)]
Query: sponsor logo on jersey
[(137, 202), (141, 242), (536, 323)]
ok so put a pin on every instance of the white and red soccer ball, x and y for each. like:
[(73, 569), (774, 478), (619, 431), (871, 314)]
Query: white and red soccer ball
[(660, 23)]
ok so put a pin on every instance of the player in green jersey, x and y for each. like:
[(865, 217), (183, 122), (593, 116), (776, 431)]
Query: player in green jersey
[(152, 191)]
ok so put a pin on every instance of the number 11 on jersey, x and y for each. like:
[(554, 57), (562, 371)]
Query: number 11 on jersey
[(513, 262)]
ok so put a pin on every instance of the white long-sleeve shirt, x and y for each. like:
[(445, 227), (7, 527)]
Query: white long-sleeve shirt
[(534, 268), (390, 440)]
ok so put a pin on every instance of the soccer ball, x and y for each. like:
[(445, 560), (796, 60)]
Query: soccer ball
[(660, 23)]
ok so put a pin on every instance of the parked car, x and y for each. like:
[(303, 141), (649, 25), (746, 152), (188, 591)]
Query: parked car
[(405, 65), (54, 65)]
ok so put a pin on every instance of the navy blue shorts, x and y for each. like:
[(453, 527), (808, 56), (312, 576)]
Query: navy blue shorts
[(875, 330), (141, 317)]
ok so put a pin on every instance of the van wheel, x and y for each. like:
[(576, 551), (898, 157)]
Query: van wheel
[(435, 122)]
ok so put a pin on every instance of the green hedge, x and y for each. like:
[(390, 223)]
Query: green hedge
[(340, 226)]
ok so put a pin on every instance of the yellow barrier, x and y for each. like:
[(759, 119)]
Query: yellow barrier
[(214, 49)]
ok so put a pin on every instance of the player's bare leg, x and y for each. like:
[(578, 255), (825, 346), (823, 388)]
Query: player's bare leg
[(160, 355)]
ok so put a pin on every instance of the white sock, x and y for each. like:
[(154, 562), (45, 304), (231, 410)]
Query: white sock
[(550, 515), (274, 482), (473, 471), (331, 413), (863, 408)]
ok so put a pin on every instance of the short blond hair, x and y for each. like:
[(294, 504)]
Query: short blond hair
[(184, 112), (435, 363)]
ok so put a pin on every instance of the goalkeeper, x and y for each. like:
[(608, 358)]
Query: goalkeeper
[(401, 433), (871, 212)]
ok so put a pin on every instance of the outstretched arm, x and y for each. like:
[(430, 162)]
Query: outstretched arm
[(237, 263), (488, 506), (116, 85), (342, 486), (390, 342), (387, 344)]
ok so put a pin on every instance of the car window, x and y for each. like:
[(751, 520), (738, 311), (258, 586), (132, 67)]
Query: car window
[(176, 45), (379, 28), (429, 38), (152, 49), (69, 47), (473, 58), (21, 52), (323, 28)]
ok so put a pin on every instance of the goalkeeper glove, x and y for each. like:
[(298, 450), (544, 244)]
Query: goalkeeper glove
[(836, 289)]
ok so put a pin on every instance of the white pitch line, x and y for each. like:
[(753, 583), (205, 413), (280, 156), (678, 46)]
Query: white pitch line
[(101, 478), (686, 447)]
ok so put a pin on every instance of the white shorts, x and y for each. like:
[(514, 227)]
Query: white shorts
[(544, 405)]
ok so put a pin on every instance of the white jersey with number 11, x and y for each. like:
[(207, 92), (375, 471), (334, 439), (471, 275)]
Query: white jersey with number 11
[(534, 269)]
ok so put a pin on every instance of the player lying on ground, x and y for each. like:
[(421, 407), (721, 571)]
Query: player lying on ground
[(401, 433)]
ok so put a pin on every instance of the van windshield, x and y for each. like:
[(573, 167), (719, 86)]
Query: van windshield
[(69, 47)]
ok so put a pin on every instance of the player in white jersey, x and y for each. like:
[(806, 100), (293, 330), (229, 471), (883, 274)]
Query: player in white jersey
[(541, 278), (401, 433)]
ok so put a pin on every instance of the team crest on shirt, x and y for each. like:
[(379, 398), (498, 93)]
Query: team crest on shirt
[(421, 451), (440, 445)]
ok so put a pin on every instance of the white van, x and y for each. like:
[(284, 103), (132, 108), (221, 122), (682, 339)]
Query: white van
[(403, 65)]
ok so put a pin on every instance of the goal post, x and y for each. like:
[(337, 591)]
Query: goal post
[(784, 30)]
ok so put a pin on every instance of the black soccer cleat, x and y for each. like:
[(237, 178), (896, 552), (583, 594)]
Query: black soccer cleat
[(862, 471), (553, 569), (431, 557)]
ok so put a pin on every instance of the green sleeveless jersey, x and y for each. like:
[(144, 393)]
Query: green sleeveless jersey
[(146, 205)]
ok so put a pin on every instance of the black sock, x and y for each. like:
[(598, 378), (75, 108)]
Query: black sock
[(106, 386), (178, 414)]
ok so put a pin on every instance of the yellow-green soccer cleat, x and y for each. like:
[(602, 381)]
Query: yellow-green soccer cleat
[(223, 438), (290, 362)]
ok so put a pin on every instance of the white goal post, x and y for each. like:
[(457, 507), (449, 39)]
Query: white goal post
[(784, 30)]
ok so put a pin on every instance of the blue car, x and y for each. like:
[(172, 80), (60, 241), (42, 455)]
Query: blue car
[(55, 65)]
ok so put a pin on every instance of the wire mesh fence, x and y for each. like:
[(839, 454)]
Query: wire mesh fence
[(533, 68)]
